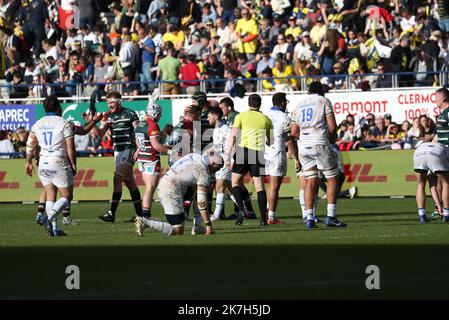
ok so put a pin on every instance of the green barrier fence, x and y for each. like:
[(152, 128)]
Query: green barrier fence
[(375, 173), (73, 111)]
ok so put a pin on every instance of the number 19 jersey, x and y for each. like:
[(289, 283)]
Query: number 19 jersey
[(310, 115)]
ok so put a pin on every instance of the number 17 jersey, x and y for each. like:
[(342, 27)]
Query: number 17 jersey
[(310, 115)]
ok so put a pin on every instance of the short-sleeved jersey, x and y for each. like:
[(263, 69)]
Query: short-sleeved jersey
[(51, 132), (143, 132), (310, 115), (254, 128), (221, 137), (231, 118), (281, 126), (122, 129), (189, 171), (443, 127)]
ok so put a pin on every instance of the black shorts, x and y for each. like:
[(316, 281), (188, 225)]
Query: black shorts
[(175, 219), (248, 160)]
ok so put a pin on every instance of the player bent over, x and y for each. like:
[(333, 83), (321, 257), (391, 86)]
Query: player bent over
[(149, 148), (192, 170), (433, 157), (57, 164)]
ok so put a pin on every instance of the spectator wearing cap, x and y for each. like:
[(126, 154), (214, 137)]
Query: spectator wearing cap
[(113, 48), (188, 72), (302, 51), (276, 29), (318, 31), (284, 48), (266, 61), (247, 31), (214, 69), (293, 29), (168, 70)]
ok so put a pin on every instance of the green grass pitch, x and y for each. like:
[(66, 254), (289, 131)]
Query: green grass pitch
[(238, 262)]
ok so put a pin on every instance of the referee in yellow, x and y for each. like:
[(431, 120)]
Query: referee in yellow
[(250, 132)]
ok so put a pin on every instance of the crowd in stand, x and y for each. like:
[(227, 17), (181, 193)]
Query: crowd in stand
[(227, 40), (381, 132)]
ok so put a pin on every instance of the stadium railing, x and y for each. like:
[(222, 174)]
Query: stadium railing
[(216, 86)]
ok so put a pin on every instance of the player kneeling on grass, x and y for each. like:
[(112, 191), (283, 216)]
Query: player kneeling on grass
[(57, 164), (149, 148), (433, 157), (189, 171)]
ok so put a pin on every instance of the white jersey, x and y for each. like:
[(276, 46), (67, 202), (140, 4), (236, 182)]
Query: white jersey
[(220, 138), (281, 126), (189, 171), (51, 132), (310, 115)]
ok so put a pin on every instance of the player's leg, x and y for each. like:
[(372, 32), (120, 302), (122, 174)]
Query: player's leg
[(173, 205), (273, 197), (261, 198), (327, 163), (237, 192), (444, 178), (151, 182), (41, 207), (436, 195), (134, 192), (220, 189), (421, 176)]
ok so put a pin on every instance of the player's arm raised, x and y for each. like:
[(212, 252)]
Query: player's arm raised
[(91, 122), (30, 148), (201, 197)]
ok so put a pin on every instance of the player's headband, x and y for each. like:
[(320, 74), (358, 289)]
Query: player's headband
[(114, 100)]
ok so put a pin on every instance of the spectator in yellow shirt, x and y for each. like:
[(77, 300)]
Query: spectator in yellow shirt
[(175, 36), (281, 70), (247, 31)]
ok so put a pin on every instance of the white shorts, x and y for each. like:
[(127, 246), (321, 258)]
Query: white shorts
[(223, 174), (275, 163), (150, 168), (170, 196), (55, 171), (124, 157), (435, 161), (320, 156)]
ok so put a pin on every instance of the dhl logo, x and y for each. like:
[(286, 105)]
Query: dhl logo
[(7, 185)]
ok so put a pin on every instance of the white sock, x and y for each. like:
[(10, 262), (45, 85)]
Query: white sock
[(302, 203), (446, 212), (421, 211), (219, 204), (48, 206), (160, 226), (331, 209), (309, 214), (271, 214), (57, 207), (232, 198)]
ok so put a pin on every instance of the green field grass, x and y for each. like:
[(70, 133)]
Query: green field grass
[(238, 262)]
